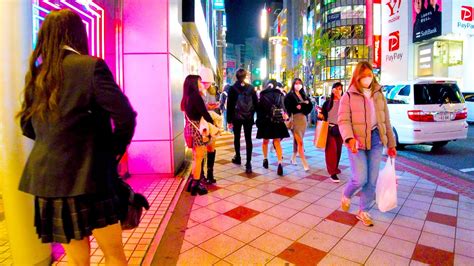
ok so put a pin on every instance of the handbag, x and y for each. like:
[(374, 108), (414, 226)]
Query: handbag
[(321, 135), (386, 188), (131, 205)]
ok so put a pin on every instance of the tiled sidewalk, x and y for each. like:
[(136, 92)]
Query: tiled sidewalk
[(264, 219)]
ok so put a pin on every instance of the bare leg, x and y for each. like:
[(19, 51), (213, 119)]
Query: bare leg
[(265, 148), (78, 251), (109, 239)]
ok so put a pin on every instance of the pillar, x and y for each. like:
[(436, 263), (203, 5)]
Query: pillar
[(15, 47), (153, 76)]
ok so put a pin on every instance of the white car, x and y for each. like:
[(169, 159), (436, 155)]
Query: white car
[(469, 99), (430, 111)]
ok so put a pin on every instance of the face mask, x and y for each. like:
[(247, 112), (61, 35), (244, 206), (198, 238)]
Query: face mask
[(298, 86), (365, 82)]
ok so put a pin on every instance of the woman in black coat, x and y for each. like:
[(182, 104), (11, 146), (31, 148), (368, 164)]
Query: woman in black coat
[(270, 121)]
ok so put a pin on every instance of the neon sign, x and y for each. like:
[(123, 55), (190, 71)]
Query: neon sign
[(92, 15)]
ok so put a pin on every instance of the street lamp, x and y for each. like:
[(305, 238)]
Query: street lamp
[(263, 68)]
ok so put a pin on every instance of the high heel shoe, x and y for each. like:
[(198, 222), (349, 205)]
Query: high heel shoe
[(305, 165), (293, 160)]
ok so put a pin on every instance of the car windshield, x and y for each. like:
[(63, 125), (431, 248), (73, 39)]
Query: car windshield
[(438, 93)]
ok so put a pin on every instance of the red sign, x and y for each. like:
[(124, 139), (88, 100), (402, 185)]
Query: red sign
[(466, 13), (230, 64), (394, 41), (377, 51), (394, 7)]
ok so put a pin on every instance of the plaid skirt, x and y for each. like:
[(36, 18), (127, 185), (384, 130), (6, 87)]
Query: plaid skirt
[(192, 136), (62, 219)]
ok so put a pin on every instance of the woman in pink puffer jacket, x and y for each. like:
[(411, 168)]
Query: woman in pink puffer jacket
[(365, 127)]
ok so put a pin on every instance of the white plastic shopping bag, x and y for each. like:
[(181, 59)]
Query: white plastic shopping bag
[(386, 190)]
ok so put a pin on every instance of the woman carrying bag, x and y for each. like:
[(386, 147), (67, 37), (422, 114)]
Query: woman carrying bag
[(298, 106), (334, 140), (270, 122), (365, 127)]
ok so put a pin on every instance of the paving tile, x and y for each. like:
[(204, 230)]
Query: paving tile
[(443, 210), (317, 210), (268, 187), (437, 241), (197, 256), (414, 213), (289, 230), (203, 215), (408, 222), (465, 223), (265, 221), (417, 205), (343, 217), (237, 187), (221, 245), (466, 206), (352, 251), (271, 243), (379, 257), (304, 219), (319, 240), (432, 256), (332, 260), (330, 203), (386, 217), (222, 206), (317, 177), (281, 212), (363, 237), (222, 263), (274, 198), (465, 235), (396, 246), (378, 227), (444, 195), (439, 229), (463, 260), (464, 248), (199, 234), (288, 192), (206, 200), (403, 233), (295, 204), (307, 197), (242, 213), (301, 254), (255, 192), (333, 228), (445, 202), (239, 199), (279, 262), (259, 205), (248, 255), (221, 223), (245, 232)]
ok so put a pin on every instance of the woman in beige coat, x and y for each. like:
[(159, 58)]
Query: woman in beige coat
[(365, 127)]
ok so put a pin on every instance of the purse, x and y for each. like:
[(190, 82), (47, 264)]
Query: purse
[(321, 135), (131, 205)]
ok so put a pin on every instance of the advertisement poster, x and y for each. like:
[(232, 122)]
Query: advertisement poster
[(426, 19), (463, 17)]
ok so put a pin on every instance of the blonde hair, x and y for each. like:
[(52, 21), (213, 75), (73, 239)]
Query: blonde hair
[(361, 66)]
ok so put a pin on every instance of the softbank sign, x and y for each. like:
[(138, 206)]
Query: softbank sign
[(394, 39), (463, 17)]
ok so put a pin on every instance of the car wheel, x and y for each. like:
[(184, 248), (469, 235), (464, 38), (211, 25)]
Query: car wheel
[(439, 144), (399, 146)]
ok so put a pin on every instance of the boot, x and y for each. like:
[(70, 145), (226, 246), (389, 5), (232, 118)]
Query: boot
[(197, 188), (203, 177), (190, 183), (211, 158)]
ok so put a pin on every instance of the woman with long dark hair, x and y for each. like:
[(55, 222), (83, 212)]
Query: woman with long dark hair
[(69, 101), (298, 106), (194, 109)]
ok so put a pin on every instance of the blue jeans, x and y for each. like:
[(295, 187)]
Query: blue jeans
[(365, 165), (224, 113)]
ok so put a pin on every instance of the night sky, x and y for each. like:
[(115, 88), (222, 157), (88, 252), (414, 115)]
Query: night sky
[(243, 19)]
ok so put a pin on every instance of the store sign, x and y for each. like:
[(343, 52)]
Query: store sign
[(394, 59), (425, 60), (334, 17), (377, 51), (426, 19), (463, 17), (218, 5)]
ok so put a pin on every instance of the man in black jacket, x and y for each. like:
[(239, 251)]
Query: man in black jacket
[(241, 106)]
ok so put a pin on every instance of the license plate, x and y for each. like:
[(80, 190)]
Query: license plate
[(445, 116)]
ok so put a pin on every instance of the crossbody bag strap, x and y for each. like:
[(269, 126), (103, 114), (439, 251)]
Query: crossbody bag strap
[(189, 120)]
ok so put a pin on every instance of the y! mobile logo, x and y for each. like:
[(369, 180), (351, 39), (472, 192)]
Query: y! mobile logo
[(466, 13), (394, 6), (394, 41)]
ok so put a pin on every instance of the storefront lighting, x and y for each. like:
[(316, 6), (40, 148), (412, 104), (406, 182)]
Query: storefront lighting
[(263, 23), (263, 68)]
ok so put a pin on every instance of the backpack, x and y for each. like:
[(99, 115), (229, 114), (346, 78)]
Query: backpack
[(277, 112), (244, 108)]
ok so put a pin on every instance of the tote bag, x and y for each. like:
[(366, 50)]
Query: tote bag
[(321, 135)]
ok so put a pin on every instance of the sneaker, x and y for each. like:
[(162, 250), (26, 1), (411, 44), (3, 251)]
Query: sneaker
[(345, 203), (248, 168), (335, 179), (280, 169), (236, 160), (265, 163), (365, 218)]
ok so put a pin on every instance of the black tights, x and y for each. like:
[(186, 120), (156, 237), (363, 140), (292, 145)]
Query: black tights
[(248, 137)]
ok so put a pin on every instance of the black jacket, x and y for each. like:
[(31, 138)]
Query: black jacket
[(234, 92), (292, 100), (76, 155), (268, 98)]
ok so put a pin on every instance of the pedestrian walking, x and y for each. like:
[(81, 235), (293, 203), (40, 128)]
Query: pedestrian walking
[(298, 107), (334, 140), (69, 101), (223, 105), (241, 107), (194, 109), (271, 118), (364, 123)]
